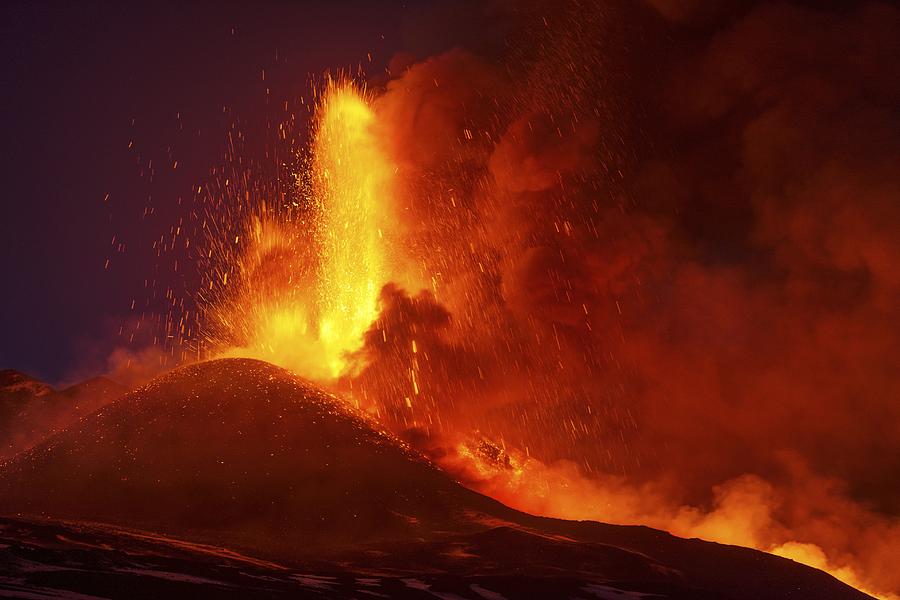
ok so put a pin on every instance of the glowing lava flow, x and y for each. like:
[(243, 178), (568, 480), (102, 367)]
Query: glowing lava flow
[(305, 281)]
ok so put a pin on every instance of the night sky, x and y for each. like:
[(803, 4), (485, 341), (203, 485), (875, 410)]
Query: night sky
[(81, 81)]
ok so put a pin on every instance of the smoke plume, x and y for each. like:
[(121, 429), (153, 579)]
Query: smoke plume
[(660, 252)]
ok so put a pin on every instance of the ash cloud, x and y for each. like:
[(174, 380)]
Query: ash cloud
[(663, 260)]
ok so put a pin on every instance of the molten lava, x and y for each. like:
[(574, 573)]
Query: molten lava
[(299, 286), (352, 181)]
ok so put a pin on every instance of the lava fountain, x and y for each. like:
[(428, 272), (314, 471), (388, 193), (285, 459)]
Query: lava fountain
[(297, 284), (351, 186)]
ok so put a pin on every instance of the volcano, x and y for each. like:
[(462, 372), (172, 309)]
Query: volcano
[(249, 460)]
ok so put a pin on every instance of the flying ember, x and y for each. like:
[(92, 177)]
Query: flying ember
[(351, 188), (306, 280)]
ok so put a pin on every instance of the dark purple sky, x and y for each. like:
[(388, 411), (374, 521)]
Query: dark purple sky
[(75, 76)]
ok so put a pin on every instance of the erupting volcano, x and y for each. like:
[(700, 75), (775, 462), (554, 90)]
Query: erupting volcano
[(541, 299)]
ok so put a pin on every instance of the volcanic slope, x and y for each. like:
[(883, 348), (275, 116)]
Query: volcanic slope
[(244, 447), (241, 454)]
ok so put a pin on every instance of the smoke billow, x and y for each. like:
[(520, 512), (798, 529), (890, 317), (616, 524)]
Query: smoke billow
[(661, 254)]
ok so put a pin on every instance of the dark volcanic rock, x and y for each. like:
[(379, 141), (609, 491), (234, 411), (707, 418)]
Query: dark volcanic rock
[(244, 455), (31, 411), (14, 382), (59, 560), (16, 390)]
